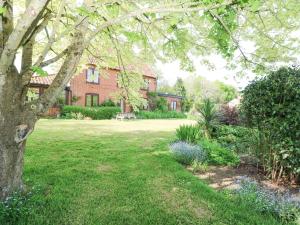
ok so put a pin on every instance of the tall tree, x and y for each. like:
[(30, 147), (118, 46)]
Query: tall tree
[(61, 32)]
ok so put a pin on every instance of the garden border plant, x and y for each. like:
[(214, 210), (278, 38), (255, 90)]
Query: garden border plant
[(271, 104)]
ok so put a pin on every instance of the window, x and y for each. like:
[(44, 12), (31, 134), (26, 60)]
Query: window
[(173, 105), (91, 100), (146, 84), (92, 76)]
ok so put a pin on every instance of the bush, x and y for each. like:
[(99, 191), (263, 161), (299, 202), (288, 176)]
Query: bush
[(271, 104), (228, 115), (218, 155), (186, 153), (262, 200), (159, 115), (95, 113), (157, 103), (207, 110), (108, 103), (238, 138), (188, 133)]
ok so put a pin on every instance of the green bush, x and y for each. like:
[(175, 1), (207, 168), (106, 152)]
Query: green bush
[(189, 133), (207, 110), (159, 115), (218, 155), (108, 103), (238, 138), (95, 113), (272, 105)]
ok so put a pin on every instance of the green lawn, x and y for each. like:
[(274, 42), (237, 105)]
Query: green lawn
[(112, 172)]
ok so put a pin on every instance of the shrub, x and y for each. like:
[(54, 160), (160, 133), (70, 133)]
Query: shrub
[(208, 116), (159, 115), (262, 200), (199, 167), (157, 103), (271, 104), (238, 138), (186, 153), (228, 115), (96, 113), (108, 103), (188, 133), (218, 155)]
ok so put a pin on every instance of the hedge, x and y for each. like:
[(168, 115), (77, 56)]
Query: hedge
[(95, 113), (159, 115)]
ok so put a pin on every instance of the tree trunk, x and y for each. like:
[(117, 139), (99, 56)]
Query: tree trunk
[(16, 123)]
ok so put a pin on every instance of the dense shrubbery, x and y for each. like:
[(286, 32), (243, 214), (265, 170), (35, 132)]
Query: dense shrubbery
[(271, 104), (280, 205), (189, 133), (159, 115), (108, 103), (218, 155), (186, 153), (238, 138), (157, 103), (228, 115), (95, 113)]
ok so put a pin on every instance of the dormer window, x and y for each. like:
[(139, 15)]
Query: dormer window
[(92, 75)]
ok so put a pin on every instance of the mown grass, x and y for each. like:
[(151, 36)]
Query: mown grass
[(109, 172)]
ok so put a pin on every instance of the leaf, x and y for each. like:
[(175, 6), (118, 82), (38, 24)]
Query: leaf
[(2, 10), (39, 71)]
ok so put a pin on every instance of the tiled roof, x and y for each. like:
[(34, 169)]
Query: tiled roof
[(47, 80), (145, 70)]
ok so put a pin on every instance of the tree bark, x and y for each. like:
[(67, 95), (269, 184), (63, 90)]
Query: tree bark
[(15, 126)]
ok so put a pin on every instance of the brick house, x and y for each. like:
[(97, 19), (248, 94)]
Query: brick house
[(93, 86)]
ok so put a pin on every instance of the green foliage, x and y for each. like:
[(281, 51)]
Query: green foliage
[(262, 200), (160, 115), (218, 155), (157, 103), (2, 10), (19, 204), (189, 133), (229, 92), (95, 113), (271, 104), (108, 103), (199, 167), (39, 71), (207, 110), (239, 139)]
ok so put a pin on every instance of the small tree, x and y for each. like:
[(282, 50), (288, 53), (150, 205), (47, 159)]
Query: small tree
[(272, 104), (207, 111)]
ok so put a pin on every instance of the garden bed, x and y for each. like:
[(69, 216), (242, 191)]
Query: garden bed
[(227, 177)]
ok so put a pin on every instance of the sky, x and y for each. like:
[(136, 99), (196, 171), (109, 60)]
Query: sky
[(171, 71)]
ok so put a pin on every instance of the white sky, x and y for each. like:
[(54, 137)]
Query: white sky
[(171, 71)]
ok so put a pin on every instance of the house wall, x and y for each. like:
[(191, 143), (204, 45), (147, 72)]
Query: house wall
[(173, 99), (106, 89)]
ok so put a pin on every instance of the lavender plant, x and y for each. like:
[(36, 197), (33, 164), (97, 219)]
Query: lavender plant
[(282, 206), (186, 153)]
